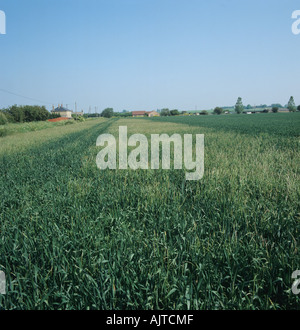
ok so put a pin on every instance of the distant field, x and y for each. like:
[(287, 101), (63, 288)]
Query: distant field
[(279, 124), (75, 237)]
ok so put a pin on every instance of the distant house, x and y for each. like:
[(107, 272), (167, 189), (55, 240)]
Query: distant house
[(153, 114), (63, 112), (252, 112), (138, 113), (145, 114)]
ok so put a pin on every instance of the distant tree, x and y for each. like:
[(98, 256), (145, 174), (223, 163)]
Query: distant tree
[(239, 108), (218, 111), (275, 109), (203, 113), (54, 115), (8, 116), (291, 105), (265, 111), (123, 114), (35, 113), (248, 107), (26, 113), (78, 118), (298, 108), (107, 113), (278, 105), (174, 112), (165, 112), (3, 118), (17, 113)]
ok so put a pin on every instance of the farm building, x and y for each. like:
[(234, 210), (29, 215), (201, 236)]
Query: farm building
[(138, 113), (63, 112), (153, 114), (145, 114)]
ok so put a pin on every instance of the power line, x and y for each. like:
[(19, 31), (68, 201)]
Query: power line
[(25, 97)]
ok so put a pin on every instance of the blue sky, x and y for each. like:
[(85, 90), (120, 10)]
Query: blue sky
[(149, 54)]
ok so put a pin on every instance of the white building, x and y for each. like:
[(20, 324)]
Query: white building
[(63, 112)]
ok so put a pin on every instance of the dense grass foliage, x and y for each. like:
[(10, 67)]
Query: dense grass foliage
[(13, 128), (75, 237)]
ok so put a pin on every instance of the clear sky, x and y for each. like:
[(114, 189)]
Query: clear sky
[(149, 54)]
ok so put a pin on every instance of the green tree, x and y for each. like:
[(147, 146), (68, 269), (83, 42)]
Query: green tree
[(165, 112), (107, 113), (204, 113), (298, 108), (26, 113), (8, 116), (54, 115), (17, 113), (291, 105), (78, 118), (239, 107), (174, 112), (218, 111), (35, 113), (3, 119), (276, 105), (275, 109)]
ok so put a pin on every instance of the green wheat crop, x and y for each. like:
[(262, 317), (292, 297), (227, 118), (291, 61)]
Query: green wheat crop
[(75, 237)]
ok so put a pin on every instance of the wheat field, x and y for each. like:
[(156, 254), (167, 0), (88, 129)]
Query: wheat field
[(75, 237)]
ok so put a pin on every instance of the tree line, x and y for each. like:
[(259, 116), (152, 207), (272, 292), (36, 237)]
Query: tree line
[(109, 112), (29, 113), (25, 113), (239, 107)]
